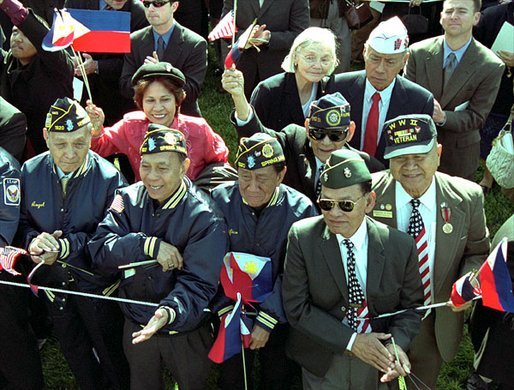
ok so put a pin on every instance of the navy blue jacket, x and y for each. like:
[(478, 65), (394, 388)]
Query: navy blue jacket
[(45, 209), (263, 235), (133, 231)]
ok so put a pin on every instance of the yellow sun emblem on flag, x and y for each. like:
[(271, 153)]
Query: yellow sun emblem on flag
[(251, 268)]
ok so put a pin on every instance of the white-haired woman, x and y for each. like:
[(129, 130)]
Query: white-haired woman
[(285, 98)]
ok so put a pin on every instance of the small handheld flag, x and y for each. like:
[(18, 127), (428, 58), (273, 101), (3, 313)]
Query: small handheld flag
[(224, 29), (65, 29), (463, 290), (9, 256), (242, 43)]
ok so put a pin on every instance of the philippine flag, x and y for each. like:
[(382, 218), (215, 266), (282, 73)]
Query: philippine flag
[(233, 335), (463, 291), (63, 31), (495, 280), (237, 48)]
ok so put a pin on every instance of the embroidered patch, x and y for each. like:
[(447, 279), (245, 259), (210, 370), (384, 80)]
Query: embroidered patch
[(12, 194), (117, 204)]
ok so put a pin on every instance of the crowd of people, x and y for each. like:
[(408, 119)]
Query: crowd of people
[(355, 187)]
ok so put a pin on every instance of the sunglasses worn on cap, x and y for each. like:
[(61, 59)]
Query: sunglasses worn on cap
[(334, 135), (344, 205), (156, 4)]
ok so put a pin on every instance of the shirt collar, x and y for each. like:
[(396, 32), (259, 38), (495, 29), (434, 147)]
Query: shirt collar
[(385, 95), (77, 172), (176, 197), (359, 237), (427, 199), (458, 53), (166, 36)]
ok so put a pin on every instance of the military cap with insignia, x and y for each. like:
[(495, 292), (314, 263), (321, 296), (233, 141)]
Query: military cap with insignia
[(409, 134), (164, 69), (330, 112), (389, 37), (160, 138), (258, 151), (66, 115), (344, 168)]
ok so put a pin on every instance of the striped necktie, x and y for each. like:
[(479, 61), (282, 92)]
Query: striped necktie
[(417, 230), (318, 183), (358, 306)]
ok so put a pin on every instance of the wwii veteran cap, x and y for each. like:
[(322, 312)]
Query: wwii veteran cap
[(160, 138), (344, 168), (66, 115), (165, 69), (258, 151), (330, 112), (389, 37), (409, 134)]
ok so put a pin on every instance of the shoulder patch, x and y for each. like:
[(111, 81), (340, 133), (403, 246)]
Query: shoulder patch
[(117, 204), (12, 193)]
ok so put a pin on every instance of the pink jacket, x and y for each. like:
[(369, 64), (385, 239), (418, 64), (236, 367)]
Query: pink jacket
[(204, 146)]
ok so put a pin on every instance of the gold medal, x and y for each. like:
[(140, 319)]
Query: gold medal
[(447, 228)]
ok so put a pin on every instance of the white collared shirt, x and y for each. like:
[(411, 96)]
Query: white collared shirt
[(383, 107), (428, 211)]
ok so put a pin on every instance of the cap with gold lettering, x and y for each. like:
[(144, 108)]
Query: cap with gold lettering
[(66, 115), (389, 37), (330, 112), (344, 168), (409, 134), (258, 151), (160, 138)]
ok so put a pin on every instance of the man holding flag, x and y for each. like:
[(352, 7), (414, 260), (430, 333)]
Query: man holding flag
[(259, 211), (445, 215)]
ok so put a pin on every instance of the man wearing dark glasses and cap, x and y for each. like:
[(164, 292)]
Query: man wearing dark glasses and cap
[(328, 128), (342, 270)]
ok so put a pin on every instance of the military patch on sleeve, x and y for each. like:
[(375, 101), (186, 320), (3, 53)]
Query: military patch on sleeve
[(117, 204), (12, 194)]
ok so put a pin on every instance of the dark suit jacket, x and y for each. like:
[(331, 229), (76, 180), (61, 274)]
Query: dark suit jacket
[(186, 51), (284, 18), (13, 127), (300, 159), (407, 98), (315, 292), (475, 80), (457, 253)]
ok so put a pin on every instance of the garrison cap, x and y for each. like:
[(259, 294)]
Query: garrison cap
[(259, 151), (389, 37), (164, 69), (330, 112), (409, 134), (344, 168), (160, 138), (66, 115)]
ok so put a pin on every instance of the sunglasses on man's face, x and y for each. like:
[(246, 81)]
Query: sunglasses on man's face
[(334, 135), (344, 205), (156, 4)]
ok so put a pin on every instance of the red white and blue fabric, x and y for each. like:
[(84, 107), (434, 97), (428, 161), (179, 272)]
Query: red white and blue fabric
[(224, 29), (417, 230), (495, 280), (358, 311), (9, 256), (463, 291), (63, 31), (237, 48), (234, 334)]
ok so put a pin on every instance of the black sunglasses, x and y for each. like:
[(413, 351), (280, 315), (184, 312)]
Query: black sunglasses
[(156, 4), (345, 205), (334, 135)]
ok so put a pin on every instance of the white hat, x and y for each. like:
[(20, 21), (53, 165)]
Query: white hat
[(389, 37)]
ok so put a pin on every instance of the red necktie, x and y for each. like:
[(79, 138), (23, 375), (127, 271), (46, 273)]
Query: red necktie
[(370, 138)]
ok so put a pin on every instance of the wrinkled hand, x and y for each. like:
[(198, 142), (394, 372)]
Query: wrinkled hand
[(368, 347), (169, 257), (439, 115), (159, 320), (507, 57), (233, 81), (401, 366), (153, 59), (97, 117), (45, 247), (90, 65), (259, 338), (457, 309)]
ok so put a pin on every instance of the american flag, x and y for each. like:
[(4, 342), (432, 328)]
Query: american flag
[(224, 29), (8, 258), (117, 204)]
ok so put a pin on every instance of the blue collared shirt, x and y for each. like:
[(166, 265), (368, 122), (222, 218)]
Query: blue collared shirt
[(458, 53), (165, 36)]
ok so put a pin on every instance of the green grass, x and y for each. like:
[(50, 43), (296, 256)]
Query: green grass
[(216, 107)]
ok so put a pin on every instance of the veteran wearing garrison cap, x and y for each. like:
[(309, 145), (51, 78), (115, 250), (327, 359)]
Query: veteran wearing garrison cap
[(65, 194), (343, 269), (446, 216), (166, 220), (259, 211), (328, 127), (378, 93)]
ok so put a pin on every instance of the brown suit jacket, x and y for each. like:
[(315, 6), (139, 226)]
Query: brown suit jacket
[(464, 249), (475, 80)]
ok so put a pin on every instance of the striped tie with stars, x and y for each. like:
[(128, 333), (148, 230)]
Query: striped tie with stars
[(318, 184)]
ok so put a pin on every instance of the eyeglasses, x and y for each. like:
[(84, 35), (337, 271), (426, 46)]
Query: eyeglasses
[(334, 135), (156, 4), (344, 205), (312, 60)]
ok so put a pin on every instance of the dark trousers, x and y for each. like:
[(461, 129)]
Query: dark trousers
[(276, 370), (20, 365), (82, 324), (185, 355)]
